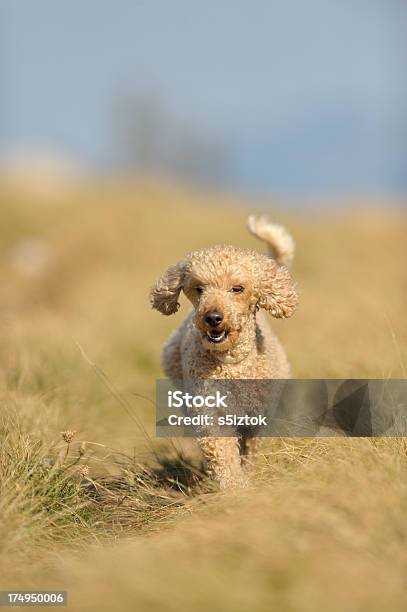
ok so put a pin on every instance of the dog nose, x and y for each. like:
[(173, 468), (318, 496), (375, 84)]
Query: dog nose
[(213, 318)]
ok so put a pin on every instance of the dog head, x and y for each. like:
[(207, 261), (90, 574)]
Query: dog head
[(226, 286)]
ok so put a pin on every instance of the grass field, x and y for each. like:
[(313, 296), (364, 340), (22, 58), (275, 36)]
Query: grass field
[(124, 521)]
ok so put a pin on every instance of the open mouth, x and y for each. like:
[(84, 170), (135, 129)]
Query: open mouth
[(216, 336)]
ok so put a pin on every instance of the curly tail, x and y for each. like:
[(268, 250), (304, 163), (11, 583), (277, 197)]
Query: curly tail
[(280, 243)]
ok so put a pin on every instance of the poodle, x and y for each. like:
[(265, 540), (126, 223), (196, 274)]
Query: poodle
[(227, 335)]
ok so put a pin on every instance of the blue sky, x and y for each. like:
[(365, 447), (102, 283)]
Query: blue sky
[(310, 97)]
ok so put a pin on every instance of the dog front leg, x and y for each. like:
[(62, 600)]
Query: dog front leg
[(223, 461)]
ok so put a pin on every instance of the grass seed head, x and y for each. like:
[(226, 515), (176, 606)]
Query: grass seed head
[(68, 435)]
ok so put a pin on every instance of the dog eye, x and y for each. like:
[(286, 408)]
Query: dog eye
[(199, 289), (237, 289)]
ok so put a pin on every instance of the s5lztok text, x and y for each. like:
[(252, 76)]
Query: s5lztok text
[(227, 420)]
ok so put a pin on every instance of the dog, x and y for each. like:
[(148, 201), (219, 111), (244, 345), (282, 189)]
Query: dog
[(227, 335)]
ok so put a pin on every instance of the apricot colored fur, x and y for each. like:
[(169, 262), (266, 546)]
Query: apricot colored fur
[(250, 349)]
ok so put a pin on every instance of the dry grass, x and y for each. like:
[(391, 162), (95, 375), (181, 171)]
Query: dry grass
[(115, 515)]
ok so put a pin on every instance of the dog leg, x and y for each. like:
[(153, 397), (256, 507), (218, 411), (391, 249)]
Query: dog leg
[(223, 461)]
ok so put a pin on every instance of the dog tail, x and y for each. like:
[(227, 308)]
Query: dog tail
[(280, 243)]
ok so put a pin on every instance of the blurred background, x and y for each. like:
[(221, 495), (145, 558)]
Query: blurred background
[(132, 132), (289, 99)]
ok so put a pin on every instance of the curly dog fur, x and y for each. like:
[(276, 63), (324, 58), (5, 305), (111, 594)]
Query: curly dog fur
[(226, 336)]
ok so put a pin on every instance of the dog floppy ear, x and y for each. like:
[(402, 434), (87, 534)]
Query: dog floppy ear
[(165, 293), (277, 290)]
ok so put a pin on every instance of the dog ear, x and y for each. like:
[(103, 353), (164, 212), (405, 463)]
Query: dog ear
[(277, 290), (165, 293)]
